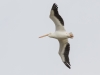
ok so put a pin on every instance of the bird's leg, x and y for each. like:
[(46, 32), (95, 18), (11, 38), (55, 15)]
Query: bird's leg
[(43, 35)]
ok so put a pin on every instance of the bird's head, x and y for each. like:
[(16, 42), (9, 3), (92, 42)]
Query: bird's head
[(49, 35)]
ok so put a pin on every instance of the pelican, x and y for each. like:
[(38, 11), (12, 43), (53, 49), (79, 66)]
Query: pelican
[(61, 35)]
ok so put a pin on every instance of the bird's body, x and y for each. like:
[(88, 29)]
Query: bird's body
[(61, 35)]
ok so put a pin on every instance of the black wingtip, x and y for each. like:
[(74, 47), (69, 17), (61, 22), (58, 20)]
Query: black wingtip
[(54, 6), (67, 65)]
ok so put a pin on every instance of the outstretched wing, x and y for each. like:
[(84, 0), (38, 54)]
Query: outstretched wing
[(56, 18), (64, 52)]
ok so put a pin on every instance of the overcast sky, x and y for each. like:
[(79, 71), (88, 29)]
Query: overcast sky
[(23, 53)]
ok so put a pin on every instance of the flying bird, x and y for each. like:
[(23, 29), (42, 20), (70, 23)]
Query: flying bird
[(61, 35)]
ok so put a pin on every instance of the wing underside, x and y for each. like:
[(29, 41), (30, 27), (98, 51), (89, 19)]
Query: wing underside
[(66, 55), (56, 18), (64, 52)]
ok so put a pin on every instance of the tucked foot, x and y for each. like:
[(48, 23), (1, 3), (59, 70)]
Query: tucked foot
[(71, 35)]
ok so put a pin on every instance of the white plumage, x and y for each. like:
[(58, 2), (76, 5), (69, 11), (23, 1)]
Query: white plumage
[(60, 34)]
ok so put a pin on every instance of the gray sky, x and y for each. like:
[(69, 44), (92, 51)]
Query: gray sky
[(23, 53)]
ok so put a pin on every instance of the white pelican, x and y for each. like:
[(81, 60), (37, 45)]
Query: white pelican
[(61, 35)]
